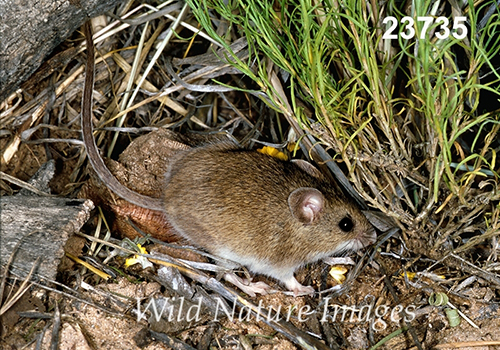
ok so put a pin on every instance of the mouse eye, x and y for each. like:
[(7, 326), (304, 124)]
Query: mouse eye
[(346, 224)]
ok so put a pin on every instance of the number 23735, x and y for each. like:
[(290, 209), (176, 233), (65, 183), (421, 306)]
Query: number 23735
[(443, 32)]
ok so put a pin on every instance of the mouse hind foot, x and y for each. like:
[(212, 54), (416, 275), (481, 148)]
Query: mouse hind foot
[(248, 287)]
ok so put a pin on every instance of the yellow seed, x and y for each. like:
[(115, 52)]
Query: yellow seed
[(273, 152), (338, 273)]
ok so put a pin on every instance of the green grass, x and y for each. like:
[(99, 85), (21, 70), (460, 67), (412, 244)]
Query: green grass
[(397, 112)]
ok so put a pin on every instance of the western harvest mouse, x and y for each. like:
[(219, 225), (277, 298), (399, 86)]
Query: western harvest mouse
[(269, 215)]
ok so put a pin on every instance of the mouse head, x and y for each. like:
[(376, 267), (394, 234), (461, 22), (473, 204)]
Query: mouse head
[(336, 223)]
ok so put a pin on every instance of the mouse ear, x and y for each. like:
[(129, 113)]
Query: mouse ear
[(306, 204), (308, 168)]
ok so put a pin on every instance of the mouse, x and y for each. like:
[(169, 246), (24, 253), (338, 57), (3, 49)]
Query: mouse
[(269, 215)]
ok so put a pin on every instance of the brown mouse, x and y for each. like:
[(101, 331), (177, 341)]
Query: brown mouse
[(269, 215)]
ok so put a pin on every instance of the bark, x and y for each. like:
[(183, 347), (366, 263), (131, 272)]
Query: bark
[(35, 230), (43, 226), (30, 30)]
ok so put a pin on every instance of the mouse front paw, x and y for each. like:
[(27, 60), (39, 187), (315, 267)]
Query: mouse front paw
[(247, 286), (298, 289), (303, 290)]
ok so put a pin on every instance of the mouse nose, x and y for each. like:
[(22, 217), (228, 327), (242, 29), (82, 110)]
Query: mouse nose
[(367, 237)]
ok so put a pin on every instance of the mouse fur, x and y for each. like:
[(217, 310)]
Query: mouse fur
[(269, 215)]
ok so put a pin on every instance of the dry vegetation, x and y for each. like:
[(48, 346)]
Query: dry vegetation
[(410, 127)]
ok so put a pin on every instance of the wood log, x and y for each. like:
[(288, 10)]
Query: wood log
[(29, 31), (43, 225)]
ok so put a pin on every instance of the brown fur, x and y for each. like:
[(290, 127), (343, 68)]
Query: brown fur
[(243, 205), (225, 199)]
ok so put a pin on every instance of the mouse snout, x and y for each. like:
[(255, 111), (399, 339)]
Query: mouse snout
[(364, 239), (370, 236)]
